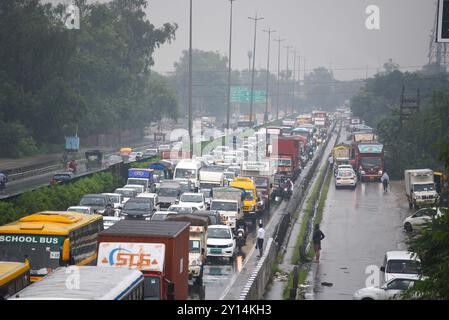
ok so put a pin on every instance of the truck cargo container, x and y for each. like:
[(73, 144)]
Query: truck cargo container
[(160, 249), (420, 187)]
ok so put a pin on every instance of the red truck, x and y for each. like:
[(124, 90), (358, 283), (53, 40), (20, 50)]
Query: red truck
[(284, 154), (159, 249), (369, 160)]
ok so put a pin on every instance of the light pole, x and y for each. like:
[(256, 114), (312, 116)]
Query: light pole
[(294, 80), (269, 31), (279, 70), (254, 64), (190, 84), (228, 113), (286, 79)]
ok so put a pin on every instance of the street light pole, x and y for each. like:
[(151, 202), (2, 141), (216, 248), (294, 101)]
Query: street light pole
[(254, 64), (269, 31), (228, 113), (279, 70), (190, 84), (286, 79), (294, 81)]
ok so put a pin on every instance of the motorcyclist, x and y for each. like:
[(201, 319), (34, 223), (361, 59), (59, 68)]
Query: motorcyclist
[(72, 166), (385, 181)]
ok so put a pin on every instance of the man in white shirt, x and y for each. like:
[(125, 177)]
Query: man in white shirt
[(260, 238)]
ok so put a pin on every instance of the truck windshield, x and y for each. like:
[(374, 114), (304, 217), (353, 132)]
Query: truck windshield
[(403, 266), (43, 252), (249, 195), (168, 192), (424, 187), (139, 182), (152, 288), (185, 173), (223, 206), (194, 246), (371, 162), (197, 198)]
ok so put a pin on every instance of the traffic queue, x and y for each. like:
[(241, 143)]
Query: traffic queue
[(164, 223)]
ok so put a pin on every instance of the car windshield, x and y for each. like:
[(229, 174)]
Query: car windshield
[(371, 162), (126, 193), (131, 205), (424, 187), (167, 192), (185, 173), (93, 201), (194, 246), (139, 182), (181, 209), (197, 198), (403, 266), (223, 206), (345, 173), (216, 233), (42, 251)]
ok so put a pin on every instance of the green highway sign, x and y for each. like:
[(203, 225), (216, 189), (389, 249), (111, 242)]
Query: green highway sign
[(243, 95)]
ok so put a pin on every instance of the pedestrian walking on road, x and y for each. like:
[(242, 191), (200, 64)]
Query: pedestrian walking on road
[(260, 238), (385, 181), (331, 161), (318, 235)]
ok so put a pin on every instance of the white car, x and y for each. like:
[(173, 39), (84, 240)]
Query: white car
[(176, 208), (400, 264), (127, 193), (81, 209), (139, 188), (420, 218), (116, 199), (164, 147), (153, 196), (390, 290), (194, 200), (220, 242), (345, 178)]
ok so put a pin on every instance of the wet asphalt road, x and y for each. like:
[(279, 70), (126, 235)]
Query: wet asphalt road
[(360, 226)]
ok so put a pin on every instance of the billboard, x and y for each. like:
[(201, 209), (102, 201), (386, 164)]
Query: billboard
[(443, 21)]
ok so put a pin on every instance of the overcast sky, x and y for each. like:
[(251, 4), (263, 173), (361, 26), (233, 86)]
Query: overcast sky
[(327, 33)]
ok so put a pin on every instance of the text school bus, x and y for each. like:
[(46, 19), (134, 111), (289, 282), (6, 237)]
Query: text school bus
[(50, 240)]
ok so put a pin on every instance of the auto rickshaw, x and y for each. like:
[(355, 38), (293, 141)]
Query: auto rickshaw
[(94, 159)]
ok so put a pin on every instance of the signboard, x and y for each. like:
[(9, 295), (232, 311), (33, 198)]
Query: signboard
[(255, 166), (140, 173), (243, 95), (443, 21), (274, 131), (140, 256), (370, 148), (363, 137), (72, 143)]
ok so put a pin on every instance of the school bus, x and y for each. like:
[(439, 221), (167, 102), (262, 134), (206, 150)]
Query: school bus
[(51, 239), (14, 276)]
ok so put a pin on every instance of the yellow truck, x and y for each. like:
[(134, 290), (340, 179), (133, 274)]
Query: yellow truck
[(250, 199)]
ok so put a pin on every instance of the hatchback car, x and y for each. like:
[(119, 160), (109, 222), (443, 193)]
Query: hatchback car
[(390, 290), (420, 218)]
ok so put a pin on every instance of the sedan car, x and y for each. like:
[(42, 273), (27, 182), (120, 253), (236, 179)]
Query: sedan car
[(221, 242), (420, 218), (390, 290), (138, 209), (346, 178)]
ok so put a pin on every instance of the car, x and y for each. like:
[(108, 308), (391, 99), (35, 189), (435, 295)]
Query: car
[(152, 196), (116, 199), (164, 147), (81, 209), (139, 188), (160, 215), (168, 193), (393, 289), (221, 242), (61, 177), (135, 155), (100, 204), (148, 153), (421, 217), (127, 193), (345, 178), (138, 209), (176, 208), (398, 264), (213, 215), (342, 166), (195, 200)]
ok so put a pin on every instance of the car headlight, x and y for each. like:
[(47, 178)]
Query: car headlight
[(230, 245)]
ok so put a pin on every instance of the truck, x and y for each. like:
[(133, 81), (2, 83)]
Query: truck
[(211, 179), (159, 249), (369, 160), (250, 196), (197, 242), (188, 170), (304, 119), (320, 119), (341, 154), (143, 177), (263, 178), (420, 188), (228, 201), (284, 156)]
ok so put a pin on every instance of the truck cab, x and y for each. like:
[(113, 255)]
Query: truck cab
[(188, 169), (369, 160), (250, 196), (228, 202)]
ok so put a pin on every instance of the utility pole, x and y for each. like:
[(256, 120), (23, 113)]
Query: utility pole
[(299, 80), (190, 84), (228, 111), (269, 31), (286, 79), (294, 80), (279, 40), (254, 64)]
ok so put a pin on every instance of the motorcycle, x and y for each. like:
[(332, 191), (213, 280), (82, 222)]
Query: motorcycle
[(240, 237)]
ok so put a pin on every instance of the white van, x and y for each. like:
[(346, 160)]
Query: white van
[(188, 169)]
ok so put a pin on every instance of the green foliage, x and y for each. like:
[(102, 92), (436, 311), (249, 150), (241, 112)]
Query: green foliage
[(15, 140), (58, 197), (53, 79)]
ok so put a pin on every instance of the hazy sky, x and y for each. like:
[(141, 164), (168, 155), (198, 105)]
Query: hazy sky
[(328, 33)]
